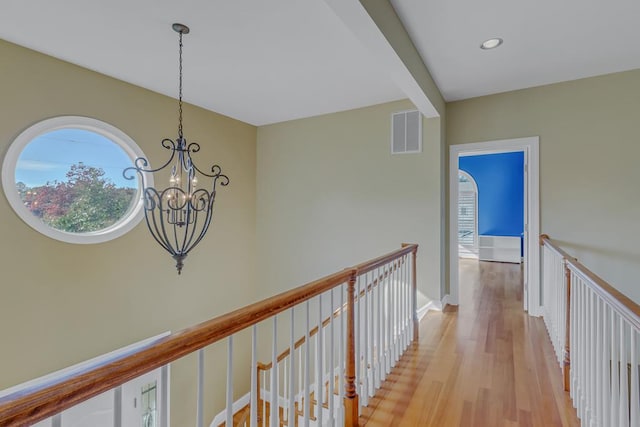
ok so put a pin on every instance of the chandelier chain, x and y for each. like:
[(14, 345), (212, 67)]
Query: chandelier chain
[(180, 134)]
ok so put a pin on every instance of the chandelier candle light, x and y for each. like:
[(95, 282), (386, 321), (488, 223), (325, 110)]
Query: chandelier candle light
[(179, 216)]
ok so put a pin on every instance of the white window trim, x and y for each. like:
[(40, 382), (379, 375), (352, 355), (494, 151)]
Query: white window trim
[(128, 221)]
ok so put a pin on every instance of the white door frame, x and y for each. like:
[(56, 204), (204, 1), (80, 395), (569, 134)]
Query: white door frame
[(530, 147)]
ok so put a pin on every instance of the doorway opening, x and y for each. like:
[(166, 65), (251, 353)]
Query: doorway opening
[(530, 251)]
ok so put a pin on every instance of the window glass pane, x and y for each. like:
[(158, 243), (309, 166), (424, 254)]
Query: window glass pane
[(71, 179), (148, 407)]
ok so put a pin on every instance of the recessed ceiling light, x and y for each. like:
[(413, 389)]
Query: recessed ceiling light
[(491, 43)]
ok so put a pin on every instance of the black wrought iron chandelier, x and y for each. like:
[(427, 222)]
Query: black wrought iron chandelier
[(179, 216)]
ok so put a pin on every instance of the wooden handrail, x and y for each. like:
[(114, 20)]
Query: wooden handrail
[(41, 401), (627, 308), (619, 301), (546, 240), (367, 266)]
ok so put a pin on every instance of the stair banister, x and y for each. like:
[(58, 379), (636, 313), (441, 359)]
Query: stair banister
[(36, 403), (599, 338)]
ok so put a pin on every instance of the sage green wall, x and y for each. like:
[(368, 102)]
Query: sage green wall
[(62, 303), (589, 153), (330, 195)]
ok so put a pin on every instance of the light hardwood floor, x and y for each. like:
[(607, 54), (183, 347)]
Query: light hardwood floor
[(485, 363)]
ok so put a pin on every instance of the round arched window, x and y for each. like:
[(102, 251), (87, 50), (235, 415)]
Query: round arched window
[(63, 177)]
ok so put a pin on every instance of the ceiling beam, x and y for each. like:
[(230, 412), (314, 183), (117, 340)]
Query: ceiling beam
[(378, 27)]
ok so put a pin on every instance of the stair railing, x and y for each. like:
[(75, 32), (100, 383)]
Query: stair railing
[(374, 324), (369, 347), (595, 331)]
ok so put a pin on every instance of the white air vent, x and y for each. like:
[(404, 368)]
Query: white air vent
[(406, 132)]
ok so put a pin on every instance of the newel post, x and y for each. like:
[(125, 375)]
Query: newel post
[(351, 394), (414, 291), (566, 363)]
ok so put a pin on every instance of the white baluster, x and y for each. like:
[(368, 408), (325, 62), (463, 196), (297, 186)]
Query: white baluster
[(552, 310), (307, 363), (398, 311), (300, 390), (596, 362), (264, 400), (378, 326), (554, 296), (387, 326), (574, 340), (341, 355), (409, 301), (332, 366), (357, 337), (563, 312), (200, 402), (597, 378), (578, 349), (624, 377), (284, 365), (635, 398), (230, 381), (401, 343), (405, 300), (365, 362), (273, 402), (584, 333), (253, 416), (319, 350), (324, 350), (392, 304), (372, 335), (591, 342), (615, 374), (605, 367), (585, 353), (292, 380)]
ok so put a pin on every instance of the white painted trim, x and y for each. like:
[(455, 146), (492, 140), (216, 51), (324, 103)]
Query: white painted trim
[(432, 305), (128, 221), (355, 17), (445, 301), (45, 380), (237, 405), (530, 146)]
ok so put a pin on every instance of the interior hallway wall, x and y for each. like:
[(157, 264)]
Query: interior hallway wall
[(331, 195), (589, 148)]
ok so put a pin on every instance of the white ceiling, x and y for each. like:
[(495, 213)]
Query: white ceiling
[(258, 61), (545, 41), (266, 61)]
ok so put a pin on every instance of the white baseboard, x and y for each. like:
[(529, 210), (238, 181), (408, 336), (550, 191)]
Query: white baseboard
[(446, 300), (431, 305)]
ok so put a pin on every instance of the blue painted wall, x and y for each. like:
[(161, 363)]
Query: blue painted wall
[(500, 181)]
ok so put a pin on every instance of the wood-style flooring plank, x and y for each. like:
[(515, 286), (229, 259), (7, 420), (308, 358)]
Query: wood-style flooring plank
[(485, 363)]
